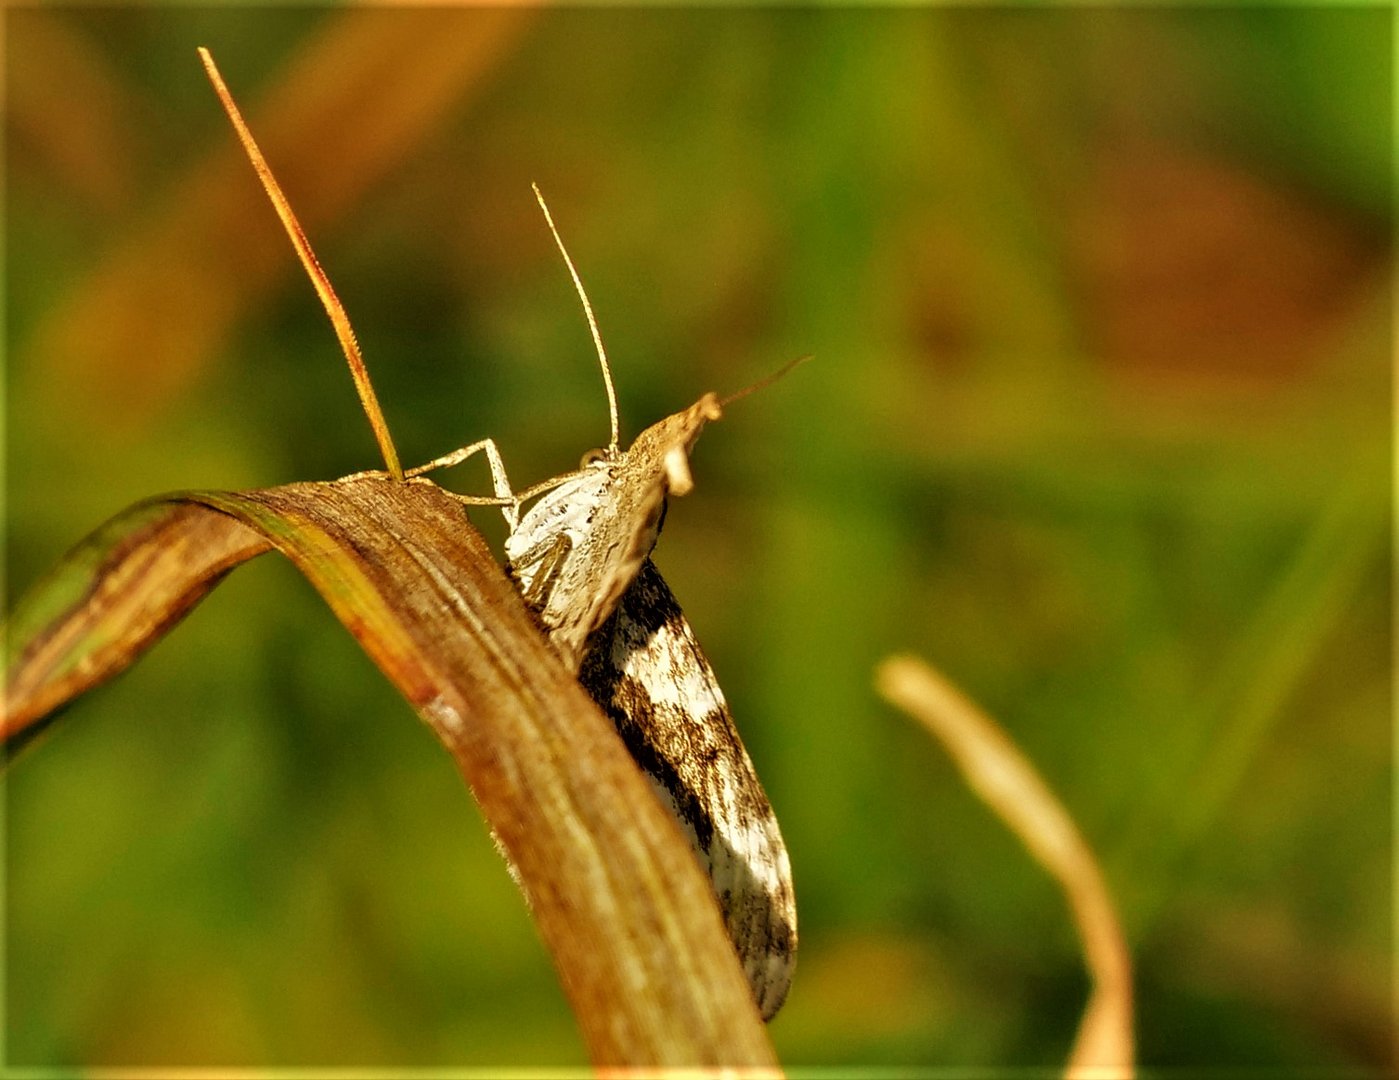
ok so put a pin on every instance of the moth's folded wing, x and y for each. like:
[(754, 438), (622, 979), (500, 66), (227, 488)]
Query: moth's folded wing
[(648, 673)]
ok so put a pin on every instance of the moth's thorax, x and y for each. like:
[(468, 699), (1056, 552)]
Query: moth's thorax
[(569, 508), (579, 547)]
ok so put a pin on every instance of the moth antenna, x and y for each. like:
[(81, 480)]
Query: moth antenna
[(338, 319), (765, 381), (592, 322)]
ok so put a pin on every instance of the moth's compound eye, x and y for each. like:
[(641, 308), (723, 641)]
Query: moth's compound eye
[(592, 457)]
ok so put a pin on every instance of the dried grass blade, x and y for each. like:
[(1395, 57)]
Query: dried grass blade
[(619, 900), (110, 599), (1006, 781)]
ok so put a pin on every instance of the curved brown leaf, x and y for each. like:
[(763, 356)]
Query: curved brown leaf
[(109, 600), (618, 898)]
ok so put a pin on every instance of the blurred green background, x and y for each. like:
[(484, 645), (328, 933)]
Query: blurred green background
[(1099, 424)]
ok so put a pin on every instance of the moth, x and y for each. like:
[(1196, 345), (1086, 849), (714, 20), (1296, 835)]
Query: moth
[(580, 556), (581, 559)]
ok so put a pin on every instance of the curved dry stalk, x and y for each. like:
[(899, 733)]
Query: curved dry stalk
[(1006, 781), (619, 899)]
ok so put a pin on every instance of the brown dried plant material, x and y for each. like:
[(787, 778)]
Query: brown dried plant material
[(71, 114), (1006, 781), (340, 321), (619, 900), (111, 598), (364, 88)]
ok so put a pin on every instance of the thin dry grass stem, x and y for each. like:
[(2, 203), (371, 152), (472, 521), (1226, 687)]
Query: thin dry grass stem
[(1006, 781), (329, 300)]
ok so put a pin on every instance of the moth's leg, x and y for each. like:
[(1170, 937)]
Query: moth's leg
[(509, 504), (546, 485), (550, 555)]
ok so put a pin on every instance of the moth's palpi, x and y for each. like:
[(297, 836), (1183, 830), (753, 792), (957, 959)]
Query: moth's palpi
[(580, 556)]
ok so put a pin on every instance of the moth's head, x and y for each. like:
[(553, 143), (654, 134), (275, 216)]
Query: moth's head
[(598, 456), (665, 446)]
